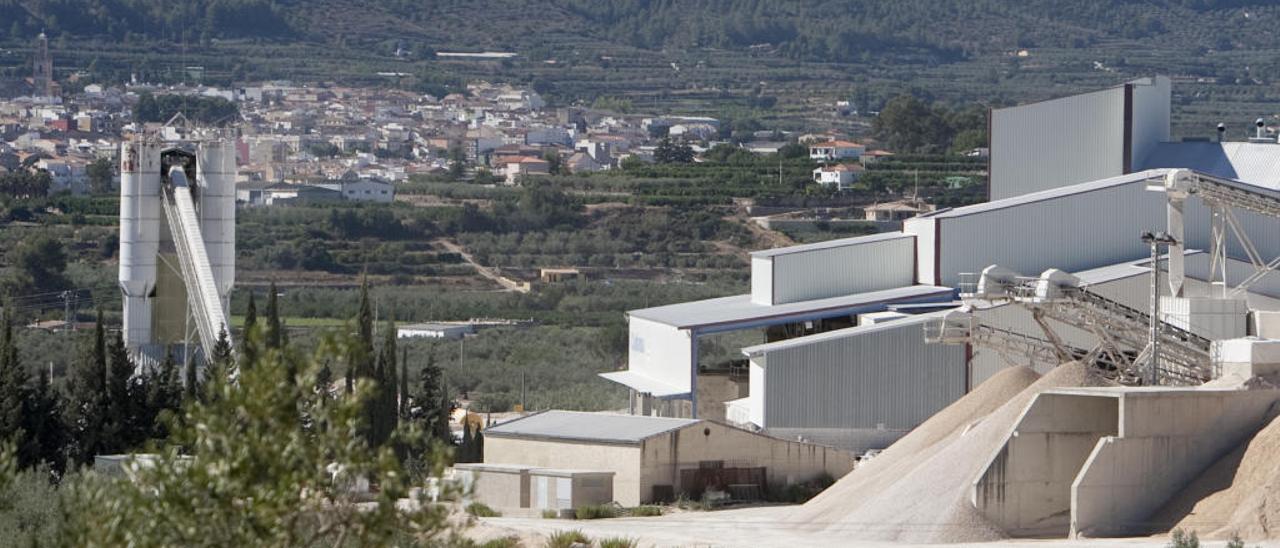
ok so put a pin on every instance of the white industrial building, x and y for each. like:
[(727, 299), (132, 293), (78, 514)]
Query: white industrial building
[(1074, 181)]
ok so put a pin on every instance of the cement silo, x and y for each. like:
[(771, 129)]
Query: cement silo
[(177, 243), (139, 235)]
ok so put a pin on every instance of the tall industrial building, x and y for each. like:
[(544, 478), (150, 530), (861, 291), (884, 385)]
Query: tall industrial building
[(177, 243), (42, 68)]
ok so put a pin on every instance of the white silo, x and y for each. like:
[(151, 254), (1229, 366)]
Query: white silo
[(216, 169), (139, 235)]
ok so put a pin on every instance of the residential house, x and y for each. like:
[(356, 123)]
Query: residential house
[(840, 175), (836, 150)]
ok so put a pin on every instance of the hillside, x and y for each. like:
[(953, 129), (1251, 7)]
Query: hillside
[(698, 56)]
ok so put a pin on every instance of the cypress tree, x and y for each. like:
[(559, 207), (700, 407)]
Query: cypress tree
[(163, 395), (121, 428), (86, 404), (250, 314), (190, 377), (436, 403), (403, 409), (44, 421), (248, 350), (274, 330), (13, 394), (477, 445), (364, 322), (391, 405)]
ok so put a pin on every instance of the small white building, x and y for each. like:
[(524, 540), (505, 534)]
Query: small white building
[(364, 189), (435, 330), (840, 175), (836, 150)]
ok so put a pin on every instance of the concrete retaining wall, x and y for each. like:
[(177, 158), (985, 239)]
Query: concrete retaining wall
[(1166, 438), (1026, 488)]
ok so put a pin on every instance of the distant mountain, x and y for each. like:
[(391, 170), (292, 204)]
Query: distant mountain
[(829, 30)]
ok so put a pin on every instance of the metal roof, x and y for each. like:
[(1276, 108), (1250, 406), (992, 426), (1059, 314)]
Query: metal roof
[(841, 333), (645, 384), (829, 244), (589, 427), (1045, 195), (1253, 163), (738, 309)]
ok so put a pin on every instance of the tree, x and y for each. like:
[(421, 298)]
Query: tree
[(389, 413), (908, 124), (147, 109), (555, 165), (44, 421), (670, 152), (101, 173), (271, 464), (457, 163), (121, 427), (86, 402), (163, 397), (274, 330), (41, 262), (435, 404), (13, 394), (402, 410), (250, 325)]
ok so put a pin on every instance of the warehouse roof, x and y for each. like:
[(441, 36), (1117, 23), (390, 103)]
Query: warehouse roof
[(588, 427), (829, 244), (1253, 163), (739, 310), (1046, 195)]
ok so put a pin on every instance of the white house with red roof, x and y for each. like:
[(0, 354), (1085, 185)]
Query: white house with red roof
[(836, 150)]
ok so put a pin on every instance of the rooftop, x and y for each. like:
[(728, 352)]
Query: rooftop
[(1253, 163), (592, 427), (739, 312), (829, 244)]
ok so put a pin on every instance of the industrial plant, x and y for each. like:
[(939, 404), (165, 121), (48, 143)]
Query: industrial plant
[(1133, 275), (177, 243)]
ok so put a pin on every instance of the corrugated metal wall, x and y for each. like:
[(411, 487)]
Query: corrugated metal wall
[(1072, 233), (1081, 231), (1057, 143), (844, 270), (883, 374)]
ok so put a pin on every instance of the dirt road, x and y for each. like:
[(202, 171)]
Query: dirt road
[(507, 283)]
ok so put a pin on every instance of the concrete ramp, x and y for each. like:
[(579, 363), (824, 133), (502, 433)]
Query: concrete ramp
[(1094, 462)]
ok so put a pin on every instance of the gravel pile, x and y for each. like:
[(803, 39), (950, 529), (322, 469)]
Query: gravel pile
[(917, 490), (1240, 493)]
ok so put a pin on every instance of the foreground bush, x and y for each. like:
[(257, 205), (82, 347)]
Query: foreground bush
[(268, 460)]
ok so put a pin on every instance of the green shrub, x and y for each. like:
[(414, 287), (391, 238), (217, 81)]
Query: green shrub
[(550, 514), (596, 511), (504, 542), (565, 539), (482, 510), (619, 542), (646, 511), (1180, 539)]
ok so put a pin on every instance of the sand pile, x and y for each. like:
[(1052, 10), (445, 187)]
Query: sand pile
[(918, 489), (1239, 493)]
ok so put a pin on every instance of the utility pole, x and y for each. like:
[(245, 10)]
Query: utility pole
[(1153, 344), (68, 318)]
